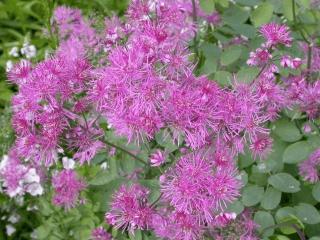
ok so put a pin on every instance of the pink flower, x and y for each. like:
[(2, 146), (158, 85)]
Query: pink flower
[(20, 72), (276, 34), (192, 186), (308, 169), (261, 146), (157, 159), (259, 57), (100, 233), (67, 187), (223, 219), (241, 227), (130, 209), (287, 61), (176, 225)]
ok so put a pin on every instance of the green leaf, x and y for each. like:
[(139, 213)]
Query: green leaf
[(264, 220), (230, 55), (262, 14), (287, 130), (236, 207), (235, 15), (102, 178), (207, 5), (244, 29), (247, 74), (271, 199), (252, 195), (223, 78), (296, 152), (307, 213), (284, 182), (136, 236), (249, 2), (287, 9), (316, 192)]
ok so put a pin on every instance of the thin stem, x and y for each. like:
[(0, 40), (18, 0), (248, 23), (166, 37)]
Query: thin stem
[(309, 61), (195, 20), (125, 151), (299, 232), (157, 200), (294, 11), (309, 54)]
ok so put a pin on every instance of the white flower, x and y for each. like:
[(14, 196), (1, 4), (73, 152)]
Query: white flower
[(35, 189), (14, 52), (68, 163), (9, 65), (10, 229), (31, 176), (29, 51), (4, 162), (14, 218), (104, 166)]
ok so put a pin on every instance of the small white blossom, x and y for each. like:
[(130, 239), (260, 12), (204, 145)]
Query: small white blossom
[(9, 65), (10, 229), (104, 166), (14, 218), (35, 189), (29, 51), (68, 163), (14, 52)]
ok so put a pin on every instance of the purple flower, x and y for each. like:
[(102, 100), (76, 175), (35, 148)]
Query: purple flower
[(176, 225), (308, 169), (192, 186), (67, 187), (259, 57), (157, 158), (130, 209), (276, 34), (261, 146), (100, 233)]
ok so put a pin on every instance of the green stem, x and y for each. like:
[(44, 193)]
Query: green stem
[(195, 20), (157, 200), (125, 151), (309, 61), (299, 232)]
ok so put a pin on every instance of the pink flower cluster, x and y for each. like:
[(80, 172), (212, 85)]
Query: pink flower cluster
[(309, 169), (143, 83), (130, 209), (67, 186)]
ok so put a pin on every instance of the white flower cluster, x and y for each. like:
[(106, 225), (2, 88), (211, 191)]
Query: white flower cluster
[(27, 51), (30, 181)]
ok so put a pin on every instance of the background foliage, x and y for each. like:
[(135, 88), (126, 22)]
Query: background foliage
[(283, 203)]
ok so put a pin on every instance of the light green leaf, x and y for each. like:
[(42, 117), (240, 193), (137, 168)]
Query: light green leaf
[(316, 192), (287, 130), (262, 14), (307, 213), (102, 178), (235, 15), (296, 152), (284, 182), (236, 207), (252, 195), (207, 5), (264, 220), (224, 78), (230, 55), (287, 9), (247, 74), (271, 198)]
